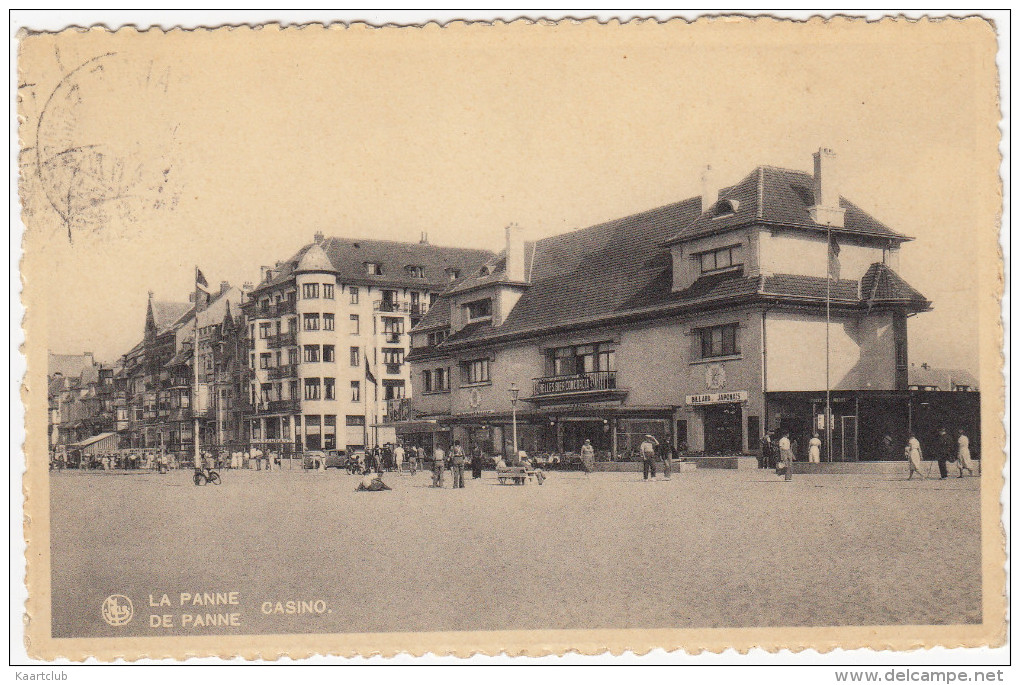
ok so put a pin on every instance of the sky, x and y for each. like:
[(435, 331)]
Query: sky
[(146, 154)]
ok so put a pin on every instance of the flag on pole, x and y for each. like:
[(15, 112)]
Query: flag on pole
[(833, 259), (200, 281), (368, 373), (202, 295)]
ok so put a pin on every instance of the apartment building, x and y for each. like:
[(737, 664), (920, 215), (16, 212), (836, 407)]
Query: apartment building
[(327, 333)]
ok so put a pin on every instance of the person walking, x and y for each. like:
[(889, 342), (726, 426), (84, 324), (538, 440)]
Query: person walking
[(412, 459), (587, 458), (476, 462), (963, 453), (667, 460), (457, 457), (398, 456), (945, 452), (438, 457), (815, 449), (786, 456), (648, 455), (913, 452)]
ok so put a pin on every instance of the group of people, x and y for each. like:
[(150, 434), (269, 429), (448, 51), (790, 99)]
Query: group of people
[(949, 451), (652, 451)]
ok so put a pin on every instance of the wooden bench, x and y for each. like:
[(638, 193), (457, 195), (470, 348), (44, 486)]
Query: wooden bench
[(514, 475)]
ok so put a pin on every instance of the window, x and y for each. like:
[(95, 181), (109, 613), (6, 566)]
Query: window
[(329, 388), (725, 258), (373, 269), (328, 322), (313, 432), (355, 324), (311, 322), (479, 309), (265, 329), (393, 325), (267, 391), (251, 360), (355, 356), (265, 360), (719, 341), (292, 356), (476, 371), (292, 387), (453, 273), (393, 355), (313, 389), (328, 353), (415, 271), (292, 324), (355, 391), (311, 353), (329, 432), (394, 390), (437, 337), (443, 380), (578, 359), (310, 291), (327, 291), (353, 290), (426, 381), (356, 420)]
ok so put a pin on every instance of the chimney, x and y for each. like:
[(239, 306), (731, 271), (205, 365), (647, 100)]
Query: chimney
[(248, 286), (709, 189), (514, 253), (224, 286), (265, 273), (151, 294), (319, 237), (424, 238), (827, 210)]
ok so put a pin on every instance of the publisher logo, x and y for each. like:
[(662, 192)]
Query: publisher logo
[(117, 610)]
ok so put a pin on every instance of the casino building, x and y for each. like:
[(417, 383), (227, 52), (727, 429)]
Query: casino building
[(702, 322)]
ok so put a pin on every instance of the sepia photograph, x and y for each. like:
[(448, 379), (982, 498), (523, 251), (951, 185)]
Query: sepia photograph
[(518, 337)]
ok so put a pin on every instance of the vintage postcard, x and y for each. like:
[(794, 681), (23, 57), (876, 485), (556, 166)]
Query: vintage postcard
[(523, 338)]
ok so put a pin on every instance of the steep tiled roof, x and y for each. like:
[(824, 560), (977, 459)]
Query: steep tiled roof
[(780, 196), (69, 365), (882, 284), (789, 285), (349, 256), (167, 314)]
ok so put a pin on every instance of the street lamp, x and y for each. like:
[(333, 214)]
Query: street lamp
[(514, 392)]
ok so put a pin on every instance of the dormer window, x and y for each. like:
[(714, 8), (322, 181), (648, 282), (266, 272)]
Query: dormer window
[(479, 309), (484, 271), (723, 259), (454, 274), (724, 208), (373, 268), (415, 271)]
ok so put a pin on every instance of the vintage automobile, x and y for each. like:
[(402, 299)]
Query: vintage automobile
[(324, 459)]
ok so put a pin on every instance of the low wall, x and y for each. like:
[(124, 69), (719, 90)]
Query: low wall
[(638, 467), (890, 467), (737, 463)]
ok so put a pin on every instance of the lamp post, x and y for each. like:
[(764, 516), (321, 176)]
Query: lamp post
[(514, 392)]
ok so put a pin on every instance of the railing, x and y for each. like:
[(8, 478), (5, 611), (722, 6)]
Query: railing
[(393, 369), (392, 337), (282, 340), (283, 405), (285, 371), (385, 306), (583, 382), (274, 310), (181, 414)]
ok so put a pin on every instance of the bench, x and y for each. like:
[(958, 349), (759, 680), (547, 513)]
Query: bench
[(514, 475)]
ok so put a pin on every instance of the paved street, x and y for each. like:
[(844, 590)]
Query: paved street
[(707, 549)]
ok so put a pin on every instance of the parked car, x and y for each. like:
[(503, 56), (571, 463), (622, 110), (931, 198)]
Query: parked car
[(313, 459), (336, 459)]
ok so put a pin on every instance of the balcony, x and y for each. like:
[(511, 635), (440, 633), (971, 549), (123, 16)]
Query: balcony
[(393, 338), (281, 340), (275, 310), (285, 371), (392, 307), (393, 369), (592, 382), (283, 406)]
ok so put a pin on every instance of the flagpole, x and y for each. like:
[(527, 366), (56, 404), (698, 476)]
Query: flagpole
[(828, 296), (194, 363)]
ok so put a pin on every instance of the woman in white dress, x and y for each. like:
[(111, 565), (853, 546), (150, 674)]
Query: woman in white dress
[(914, 457), (814, 449), (963, 454)]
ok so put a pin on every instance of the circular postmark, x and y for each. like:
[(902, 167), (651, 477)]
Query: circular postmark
[(117, 610)]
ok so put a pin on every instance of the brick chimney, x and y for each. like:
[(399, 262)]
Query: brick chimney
[(224, 286), (709, 189), (827, 210), (319, 237), (514, 254)]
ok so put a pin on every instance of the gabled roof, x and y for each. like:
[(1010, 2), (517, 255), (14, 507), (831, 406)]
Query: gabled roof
[(493, 272), (350, 256), (166, 315), (772, 195)]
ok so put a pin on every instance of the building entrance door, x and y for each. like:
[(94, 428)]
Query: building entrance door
[(576, 432), (722, 429)]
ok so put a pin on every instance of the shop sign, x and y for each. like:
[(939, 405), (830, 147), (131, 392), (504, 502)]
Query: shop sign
[(717, 397), (609, 404)]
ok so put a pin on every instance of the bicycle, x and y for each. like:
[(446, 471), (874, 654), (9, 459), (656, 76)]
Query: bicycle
[(203, 476)]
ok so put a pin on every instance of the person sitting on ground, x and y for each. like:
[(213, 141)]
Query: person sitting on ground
[(372, 483), (500, 462)]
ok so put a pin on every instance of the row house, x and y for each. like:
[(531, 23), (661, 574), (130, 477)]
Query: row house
[(327, 335), (80, 395), (703, 322)]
